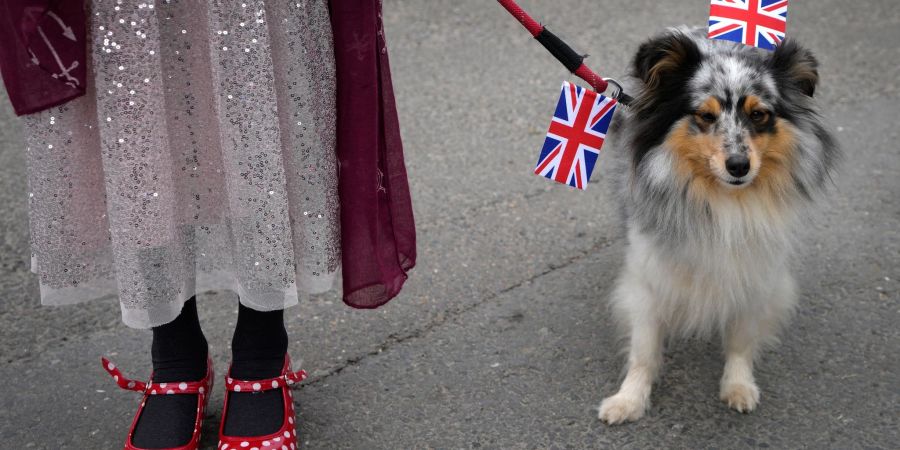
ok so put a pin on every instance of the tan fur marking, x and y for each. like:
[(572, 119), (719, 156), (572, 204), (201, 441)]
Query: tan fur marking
[(753, 103), (693, 154), (696, 154), (775, 154), (711, 105)]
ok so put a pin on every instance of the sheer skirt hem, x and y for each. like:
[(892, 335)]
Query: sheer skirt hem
[(163, 313)]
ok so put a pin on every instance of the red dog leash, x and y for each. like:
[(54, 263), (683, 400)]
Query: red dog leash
[(565, 54)]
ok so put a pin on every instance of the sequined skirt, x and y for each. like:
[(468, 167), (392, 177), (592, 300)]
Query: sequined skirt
[(202, 157)]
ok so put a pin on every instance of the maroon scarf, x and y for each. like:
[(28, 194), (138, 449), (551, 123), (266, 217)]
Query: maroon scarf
[(378, 236), (42, 52)]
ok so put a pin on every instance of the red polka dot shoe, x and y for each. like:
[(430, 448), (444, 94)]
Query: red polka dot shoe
[(202, 388), (283, 439)]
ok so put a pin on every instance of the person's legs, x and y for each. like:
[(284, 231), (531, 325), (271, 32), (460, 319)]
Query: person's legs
[(258, 349), (179, 353)]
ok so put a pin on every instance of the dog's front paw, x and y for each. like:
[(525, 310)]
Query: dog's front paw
[(621, 408), (741, 397)]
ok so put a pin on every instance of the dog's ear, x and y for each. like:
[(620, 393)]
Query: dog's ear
[(795, 67), (665, 57)]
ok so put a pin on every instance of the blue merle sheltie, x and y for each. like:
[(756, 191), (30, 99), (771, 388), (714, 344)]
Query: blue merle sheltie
[(724, 148)]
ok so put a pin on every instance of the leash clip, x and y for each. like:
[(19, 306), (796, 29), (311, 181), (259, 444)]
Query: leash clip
[(618, 92)]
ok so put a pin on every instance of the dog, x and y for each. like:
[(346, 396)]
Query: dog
[(724, 150)]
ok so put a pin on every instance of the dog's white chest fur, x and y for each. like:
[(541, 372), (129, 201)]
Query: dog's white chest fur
[(698, 286), (734, 282)]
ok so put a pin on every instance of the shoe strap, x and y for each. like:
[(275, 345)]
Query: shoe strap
[(286, 379), (151, 388)]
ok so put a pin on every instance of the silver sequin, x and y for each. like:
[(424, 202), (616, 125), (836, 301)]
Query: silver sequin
[(208, 132)]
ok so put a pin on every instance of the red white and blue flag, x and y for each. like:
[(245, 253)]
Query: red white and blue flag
[(576, 134), (759, 23)]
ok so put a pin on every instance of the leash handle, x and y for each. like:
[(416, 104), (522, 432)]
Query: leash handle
[(557, 47)]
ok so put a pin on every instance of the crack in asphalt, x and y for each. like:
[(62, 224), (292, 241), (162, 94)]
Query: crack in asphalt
[(451, 315)]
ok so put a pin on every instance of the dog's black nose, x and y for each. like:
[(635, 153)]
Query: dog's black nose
[(737, 165)]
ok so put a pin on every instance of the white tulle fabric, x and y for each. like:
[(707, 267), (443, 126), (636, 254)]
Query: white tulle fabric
[(203, 157)]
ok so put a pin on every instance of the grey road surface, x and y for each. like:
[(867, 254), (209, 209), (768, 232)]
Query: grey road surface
[(502, 338)]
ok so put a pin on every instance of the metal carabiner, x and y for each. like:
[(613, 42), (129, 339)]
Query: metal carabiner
[(618, 92)]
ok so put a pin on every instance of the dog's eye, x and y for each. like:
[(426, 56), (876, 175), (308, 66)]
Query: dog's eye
[(759, 116), (706, 117)]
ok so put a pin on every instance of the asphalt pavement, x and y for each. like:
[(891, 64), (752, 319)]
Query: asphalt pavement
[(502, 337)]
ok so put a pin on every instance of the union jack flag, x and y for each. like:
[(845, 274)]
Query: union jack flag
[(577, 132), (758, 23)]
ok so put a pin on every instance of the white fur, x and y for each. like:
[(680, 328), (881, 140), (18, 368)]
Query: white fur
[(736, 284)]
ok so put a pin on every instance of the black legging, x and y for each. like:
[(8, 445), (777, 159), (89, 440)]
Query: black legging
[(179, 353)]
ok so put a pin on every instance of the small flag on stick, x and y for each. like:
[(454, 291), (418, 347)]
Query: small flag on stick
[(577, 132), (758, 23)]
